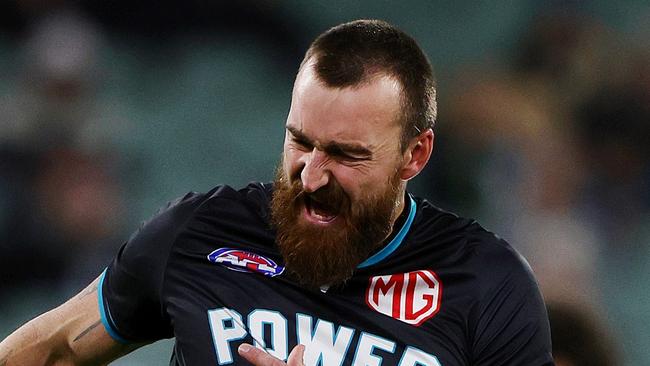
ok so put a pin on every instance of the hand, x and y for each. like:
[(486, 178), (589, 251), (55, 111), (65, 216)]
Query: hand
[(258, 357)]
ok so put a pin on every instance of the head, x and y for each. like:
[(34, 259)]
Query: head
[(359, 127)]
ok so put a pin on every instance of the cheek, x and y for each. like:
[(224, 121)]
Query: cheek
[(364, 182), (354, 182)]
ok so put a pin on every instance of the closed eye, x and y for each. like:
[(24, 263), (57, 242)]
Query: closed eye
[(337, 150), (341, 155), (302, 143)]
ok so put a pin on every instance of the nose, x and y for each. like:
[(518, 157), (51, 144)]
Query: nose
[(314, 174)]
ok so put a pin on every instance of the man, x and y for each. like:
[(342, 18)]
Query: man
[(335, 260)]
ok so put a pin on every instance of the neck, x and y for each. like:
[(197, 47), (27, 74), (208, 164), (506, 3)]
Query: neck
[(399, 207)]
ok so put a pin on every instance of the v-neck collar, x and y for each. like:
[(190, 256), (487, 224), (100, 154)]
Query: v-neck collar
[(396, 242)]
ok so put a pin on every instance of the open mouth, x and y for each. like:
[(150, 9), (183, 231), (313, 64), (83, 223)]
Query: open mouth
[(320, 212)]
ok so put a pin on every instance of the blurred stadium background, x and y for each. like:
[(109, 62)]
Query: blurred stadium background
[(109, 109)]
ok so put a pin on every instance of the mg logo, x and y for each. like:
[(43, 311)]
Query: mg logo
[(411, 297)]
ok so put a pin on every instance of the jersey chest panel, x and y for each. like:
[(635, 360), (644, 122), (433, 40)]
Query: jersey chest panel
[(215, 305)]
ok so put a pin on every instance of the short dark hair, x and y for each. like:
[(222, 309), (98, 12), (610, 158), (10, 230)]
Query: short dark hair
[(352, 53)]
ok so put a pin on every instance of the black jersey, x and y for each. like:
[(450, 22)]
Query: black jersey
[(207, 271)]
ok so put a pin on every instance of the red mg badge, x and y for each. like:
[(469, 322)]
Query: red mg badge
[(412, 297)]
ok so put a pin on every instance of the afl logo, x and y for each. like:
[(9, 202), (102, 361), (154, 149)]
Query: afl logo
[(412, 297), (243, 261)]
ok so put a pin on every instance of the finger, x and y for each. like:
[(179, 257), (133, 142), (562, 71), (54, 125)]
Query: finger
[(296, 357), (258, 357)]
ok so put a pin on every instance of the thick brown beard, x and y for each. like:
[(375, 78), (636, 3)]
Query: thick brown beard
[(318, 256)]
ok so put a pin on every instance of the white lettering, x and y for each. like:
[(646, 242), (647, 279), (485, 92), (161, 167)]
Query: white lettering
[(223, 334), (322, 346), (279, 336), (365, 350), (227, 259), (415, 357)]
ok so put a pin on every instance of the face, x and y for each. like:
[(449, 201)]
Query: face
[(338, 189)]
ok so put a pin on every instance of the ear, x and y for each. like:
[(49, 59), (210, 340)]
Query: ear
[(417, 154)]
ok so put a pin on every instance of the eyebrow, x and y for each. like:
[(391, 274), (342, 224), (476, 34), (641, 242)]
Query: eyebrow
[(333, 147)]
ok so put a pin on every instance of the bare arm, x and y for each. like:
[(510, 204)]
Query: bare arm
[(71, 334)]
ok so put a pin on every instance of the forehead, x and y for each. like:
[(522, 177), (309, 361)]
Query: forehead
[(365, 113)]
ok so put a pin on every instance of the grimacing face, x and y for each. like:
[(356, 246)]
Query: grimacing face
[(341, 182), (349, 135)]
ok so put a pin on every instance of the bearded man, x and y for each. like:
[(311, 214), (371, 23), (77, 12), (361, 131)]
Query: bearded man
[(335, 260)]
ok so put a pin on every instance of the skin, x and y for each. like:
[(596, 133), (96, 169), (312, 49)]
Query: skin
[(71, 334), (351, 135), (257, 356), (348, 134)]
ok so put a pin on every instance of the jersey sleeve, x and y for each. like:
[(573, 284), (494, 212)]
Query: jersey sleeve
[(130, 289), (512, 324)]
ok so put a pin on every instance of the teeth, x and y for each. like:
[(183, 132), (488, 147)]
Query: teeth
[(325, 218)]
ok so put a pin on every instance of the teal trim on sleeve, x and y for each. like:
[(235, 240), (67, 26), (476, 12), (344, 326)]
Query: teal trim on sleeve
[(395, 243), (105, 315)]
